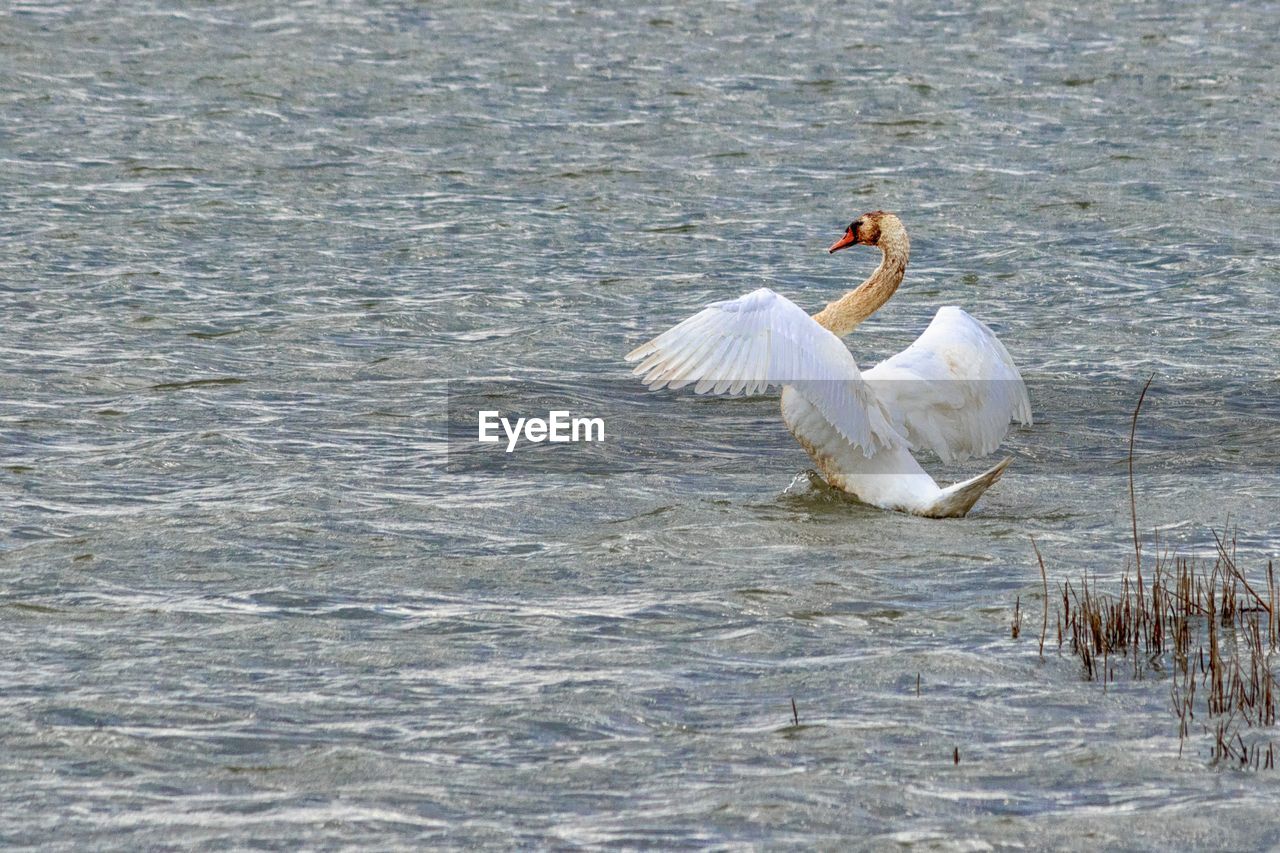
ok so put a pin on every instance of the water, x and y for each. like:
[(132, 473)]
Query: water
[(245, 248)]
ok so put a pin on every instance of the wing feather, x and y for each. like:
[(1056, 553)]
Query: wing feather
[(762, 340), (954, 390)]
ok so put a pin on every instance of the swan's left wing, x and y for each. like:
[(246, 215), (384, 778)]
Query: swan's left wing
[(953, 391), (762, 340)]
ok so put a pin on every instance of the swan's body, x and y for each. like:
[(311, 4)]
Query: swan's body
[(953, 391)]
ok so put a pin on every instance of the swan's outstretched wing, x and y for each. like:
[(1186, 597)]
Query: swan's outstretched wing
[(954, 390), (748, 344)]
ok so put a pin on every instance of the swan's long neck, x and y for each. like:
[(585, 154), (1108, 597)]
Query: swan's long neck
[(844, 315)]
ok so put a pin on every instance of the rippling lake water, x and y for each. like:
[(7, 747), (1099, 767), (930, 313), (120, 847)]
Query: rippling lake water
[(247, 247)]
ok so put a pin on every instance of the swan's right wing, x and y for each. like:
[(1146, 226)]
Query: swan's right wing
[(762, 340), (954, 390)]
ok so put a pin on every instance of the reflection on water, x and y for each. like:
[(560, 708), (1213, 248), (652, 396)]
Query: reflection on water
[(247, 596)]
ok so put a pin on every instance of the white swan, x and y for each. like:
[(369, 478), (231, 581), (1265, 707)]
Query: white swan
[(953, 391)]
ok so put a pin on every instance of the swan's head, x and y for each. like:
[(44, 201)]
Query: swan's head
[(865, 230)]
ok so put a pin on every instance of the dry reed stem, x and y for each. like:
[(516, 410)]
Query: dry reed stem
[(1044, 581), (1133, 498)]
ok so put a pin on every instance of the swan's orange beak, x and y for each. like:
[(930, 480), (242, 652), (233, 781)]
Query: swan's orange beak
[(844, 242)]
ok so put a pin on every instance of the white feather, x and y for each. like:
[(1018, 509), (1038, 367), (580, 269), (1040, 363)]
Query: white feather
[(764, 340), (954, 390)]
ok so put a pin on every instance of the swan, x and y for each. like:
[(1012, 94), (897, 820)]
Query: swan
[(954, 391)]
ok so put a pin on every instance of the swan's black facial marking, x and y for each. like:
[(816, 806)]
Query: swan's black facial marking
[(850, 238)]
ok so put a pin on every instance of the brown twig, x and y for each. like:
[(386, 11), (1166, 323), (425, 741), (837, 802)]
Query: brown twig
[(1133, 496), (1044, 581), (1230, 563)]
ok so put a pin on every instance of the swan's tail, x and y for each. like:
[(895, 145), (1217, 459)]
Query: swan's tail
[(957, 500)]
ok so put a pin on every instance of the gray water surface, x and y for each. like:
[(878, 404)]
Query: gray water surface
[(246, 247)]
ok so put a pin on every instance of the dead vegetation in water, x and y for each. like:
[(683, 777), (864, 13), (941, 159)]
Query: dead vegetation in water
[(1208, 626), (1211, 627)]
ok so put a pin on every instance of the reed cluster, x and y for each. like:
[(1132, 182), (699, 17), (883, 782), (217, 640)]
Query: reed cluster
[(1212, 628)]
